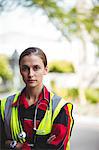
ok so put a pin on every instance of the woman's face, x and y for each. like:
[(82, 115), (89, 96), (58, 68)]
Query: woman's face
[(32, 70)]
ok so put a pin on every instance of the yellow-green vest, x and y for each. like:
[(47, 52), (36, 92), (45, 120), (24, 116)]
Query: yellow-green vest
[(13, 125)]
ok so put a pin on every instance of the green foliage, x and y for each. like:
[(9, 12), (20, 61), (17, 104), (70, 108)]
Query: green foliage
[(5, 70), (92, 95), (68, 93), (70, 21), (5, 90), (61, 66), (72, 92)]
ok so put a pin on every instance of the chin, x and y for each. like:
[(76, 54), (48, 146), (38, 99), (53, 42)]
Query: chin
[(32, 85)]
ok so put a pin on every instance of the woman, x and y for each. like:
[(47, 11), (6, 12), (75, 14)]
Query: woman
[(35, 118)]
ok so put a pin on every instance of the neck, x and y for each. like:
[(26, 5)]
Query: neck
[(32, 94)]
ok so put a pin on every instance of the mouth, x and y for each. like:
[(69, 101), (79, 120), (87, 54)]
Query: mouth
[(31, 81)]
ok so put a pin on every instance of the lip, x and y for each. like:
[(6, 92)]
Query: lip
[(31, 81)]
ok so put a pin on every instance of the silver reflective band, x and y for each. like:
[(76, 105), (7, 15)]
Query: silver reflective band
[(13, 144), (22, 135)]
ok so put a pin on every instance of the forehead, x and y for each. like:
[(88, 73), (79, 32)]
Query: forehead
[(31, 59)]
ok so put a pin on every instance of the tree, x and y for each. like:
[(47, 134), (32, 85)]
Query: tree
[(71, 21)]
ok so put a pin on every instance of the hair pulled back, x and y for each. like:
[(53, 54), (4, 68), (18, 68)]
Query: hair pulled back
[(35, 51)]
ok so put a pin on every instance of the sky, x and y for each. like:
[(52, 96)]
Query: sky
[(20, 29)]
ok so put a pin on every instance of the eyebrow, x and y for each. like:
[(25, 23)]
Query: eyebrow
[(36, 65), (25, 65)]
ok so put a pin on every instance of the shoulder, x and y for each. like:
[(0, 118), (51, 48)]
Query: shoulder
[(68, 105), (60, 104), (58, 100), (8, 97)]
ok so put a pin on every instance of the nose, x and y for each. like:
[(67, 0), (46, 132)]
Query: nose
[(31, 72)]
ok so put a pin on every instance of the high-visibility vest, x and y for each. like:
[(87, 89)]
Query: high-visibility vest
[(13, 124)]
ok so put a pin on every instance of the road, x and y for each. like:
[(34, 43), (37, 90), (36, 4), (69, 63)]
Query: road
[(85, 135)]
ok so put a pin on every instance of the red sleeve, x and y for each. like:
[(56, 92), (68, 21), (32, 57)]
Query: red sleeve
[(61, 129)]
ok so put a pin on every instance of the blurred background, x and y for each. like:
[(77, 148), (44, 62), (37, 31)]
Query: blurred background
[(68, 32)]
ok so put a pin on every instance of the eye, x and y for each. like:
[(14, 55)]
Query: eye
[(25, 68), (36, 68)]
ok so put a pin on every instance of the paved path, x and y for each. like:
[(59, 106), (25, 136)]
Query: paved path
[(85, 135)]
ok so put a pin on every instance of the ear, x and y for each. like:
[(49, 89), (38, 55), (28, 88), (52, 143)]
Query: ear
[(46, 70)]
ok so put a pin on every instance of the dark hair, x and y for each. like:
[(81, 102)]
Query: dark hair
[(36, 51)]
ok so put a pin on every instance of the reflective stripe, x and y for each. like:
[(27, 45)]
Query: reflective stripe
[(3, 108), (55, 101), (68, 145), (16, 97), (10, 117), (7, 116), (58, 103), (70, 108), (16, 123), (45, 125), (61, 103)]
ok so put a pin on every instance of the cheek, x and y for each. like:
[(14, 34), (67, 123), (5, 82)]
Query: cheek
[(40, 76), (23, 75), (43, 73)]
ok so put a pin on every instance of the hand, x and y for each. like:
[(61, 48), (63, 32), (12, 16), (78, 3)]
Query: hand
[(18, 146), (51, 138), (7, 143)]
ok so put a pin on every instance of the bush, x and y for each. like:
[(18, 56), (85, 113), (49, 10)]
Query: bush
[(5, 69), (66, 93), (61, 67), (92, 95), (72, 92)]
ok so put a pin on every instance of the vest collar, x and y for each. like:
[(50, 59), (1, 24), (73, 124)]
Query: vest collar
[(45, 95)]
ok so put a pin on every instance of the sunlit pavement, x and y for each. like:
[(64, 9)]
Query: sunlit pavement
[(85, 134)]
